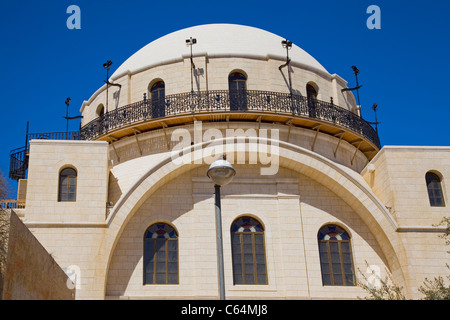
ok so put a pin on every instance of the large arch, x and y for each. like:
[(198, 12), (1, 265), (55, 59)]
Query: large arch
[(342, 181)]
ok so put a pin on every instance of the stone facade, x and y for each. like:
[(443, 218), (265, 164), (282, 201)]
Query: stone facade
[(308, 192), (27, 270)]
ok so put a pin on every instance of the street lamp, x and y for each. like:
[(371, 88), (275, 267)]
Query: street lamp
[(107, 65), (288, 45), (67, 113), (221, 172), (190, 42)]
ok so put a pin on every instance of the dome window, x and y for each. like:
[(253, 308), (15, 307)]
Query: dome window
[(100, 110), (311, 94), (158, 97), (237, 84)]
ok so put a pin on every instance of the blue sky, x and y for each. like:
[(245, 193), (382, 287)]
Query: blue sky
[(404, 66)]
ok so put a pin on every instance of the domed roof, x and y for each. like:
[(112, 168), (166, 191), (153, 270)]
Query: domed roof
[(217, 40)]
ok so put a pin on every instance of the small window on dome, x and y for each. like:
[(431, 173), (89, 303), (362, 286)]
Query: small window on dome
[(100, 110), (311, 94), (158, 99), (237, 84)]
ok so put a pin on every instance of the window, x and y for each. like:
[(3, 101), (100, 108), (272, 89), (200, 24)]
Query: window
[(158, 99), (336, 260), (160, 255), (434, 190), (311, 94), (237, 84), (249, 258), (67, 185), (100, 110)]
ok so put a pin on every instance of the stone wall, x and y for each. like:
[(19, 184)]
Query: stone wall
[(291, 207), (47, 158), (27, 270)]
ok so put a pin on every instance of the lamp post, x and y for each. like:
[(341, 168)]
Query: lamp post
[(67, 114), (190, 42), (107, 65), (356, 72), (288, 45), (221, 172)]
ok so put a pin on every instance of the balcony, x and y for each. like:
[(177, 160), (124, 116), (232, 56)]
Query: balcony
[(215, 105), (250, 105)]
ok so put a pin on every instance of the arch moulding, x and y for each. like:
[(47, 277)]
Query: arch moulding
[(342, 181)]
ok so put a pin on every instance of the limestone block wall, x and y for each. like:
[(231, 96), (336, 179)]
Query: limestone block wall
[(291, 206), (27, 270), (154, 142), (47, 159), (292, 209), (397, 177)]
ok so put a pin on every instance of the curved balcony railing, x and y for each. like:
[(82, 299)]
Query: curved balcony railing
[(226, 101)]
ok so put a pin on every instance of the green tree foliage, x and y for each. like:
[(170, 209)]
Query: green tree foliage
[(379, 288), (435, 289), (386, 289)]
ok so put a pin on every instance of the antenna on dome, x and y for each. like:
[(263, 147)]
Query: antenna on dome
[(288, 45), (190, 42)]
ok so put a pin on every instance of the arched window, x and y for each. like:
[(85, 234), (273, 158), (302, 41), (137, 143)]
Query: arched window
[(100, 110), (158, 99), (311, 94), (160, 254), (434, 187), (237, 84), (249, 258), (336, 260), (67, 185)]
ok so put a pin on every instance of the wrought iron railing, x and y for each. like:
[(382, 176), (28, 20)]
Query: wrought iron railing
[(217, 101), (69, 135), (18, 163), (226, 101)]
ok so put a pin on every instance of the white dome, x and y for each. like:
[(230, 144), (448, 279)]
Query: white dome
[(216, 40)]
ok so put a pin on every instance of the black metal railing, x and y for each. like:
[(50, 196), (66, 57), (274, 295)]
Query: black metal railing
[(224, 101), (68, 135), (217, 101), (18, 163)]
